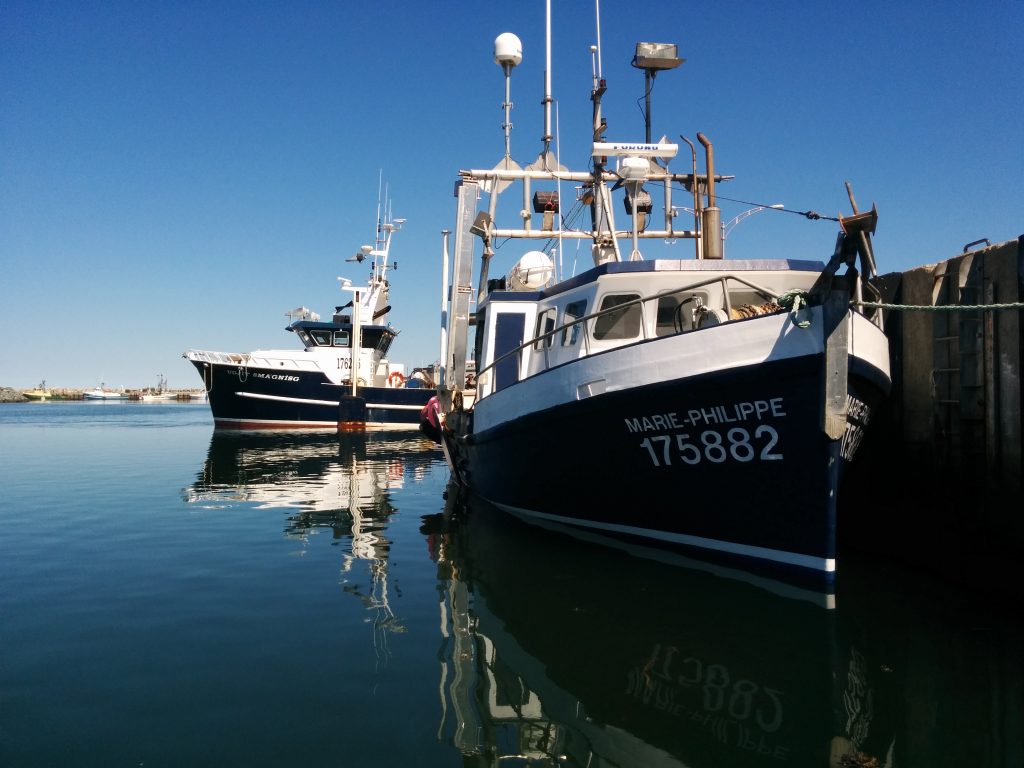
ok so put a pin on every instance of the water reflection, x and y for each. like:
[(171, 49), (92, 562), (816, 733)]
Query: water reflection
[(560, 652), (343, 483)]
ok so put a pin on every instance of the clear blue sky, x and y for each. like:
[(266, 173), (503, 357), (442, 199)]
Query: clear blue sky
[(179, 174)]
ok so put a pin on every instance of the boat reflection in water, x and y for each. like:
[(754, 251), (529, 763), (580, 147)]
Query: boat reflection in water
[(337, 482), (567, 653)]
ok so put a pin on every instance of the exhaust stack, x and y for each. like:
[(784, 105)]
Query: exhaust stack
[(711, 216)]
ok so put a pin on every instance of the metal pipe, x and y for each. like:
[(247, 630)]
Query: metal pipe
[(546, 138), (579, 234), (711, 215), (710, 162), (696, 196), (439, 375), (648, 75)]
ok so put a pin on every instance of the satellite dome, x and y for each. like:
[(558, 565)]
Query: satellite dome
[(508, 49), (532, 272)]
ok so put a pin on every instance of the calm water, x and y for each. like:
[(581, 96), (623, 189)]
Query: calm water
[(171, 596)]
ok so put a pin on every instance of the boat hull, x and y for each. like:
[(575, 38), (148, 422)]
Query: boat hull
[(732, 463), (245, 397)]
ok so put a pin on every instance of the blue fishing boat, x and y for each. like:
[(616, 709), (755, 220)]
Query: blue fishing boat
[(683, 399), (340, 378)]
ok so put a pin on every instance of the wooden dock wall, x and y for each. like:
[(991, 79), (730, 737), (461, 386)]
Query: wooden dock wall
[(941, 480)]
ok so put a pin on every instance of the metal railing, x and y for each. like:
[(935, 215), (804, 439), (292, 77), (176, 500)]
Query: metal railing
[(231, 358), (724, 280)]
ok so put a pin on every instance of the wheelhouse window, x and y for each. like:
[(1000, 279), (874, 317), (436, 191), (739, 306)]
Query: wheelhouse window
[(621, 323), (341, 338), (573, 311), (321, 337), (377, 338), (545, 325)]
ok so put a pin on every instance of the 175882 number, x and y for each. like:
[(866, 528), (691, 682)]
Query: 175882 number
[(738, 444)]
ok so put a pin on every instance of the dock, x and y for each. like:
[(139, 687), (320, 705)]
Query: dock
[(939, 484)]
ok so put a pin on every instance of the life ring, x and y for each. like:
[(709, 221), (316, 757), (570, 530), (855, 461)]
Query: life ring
[(396, 379)]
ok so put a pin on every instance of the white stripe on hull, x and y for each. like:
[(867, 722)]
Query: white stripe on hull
[(324, 426), (330, 403), (825, 565)]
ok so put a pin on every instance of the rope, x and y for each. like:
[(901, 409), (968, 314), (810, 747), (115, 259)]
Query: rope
[(794, 301), (940, 308)]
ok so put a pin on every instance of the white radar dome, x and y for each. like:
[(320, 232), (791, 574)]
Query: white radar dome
[(532, 272), (508, 49)]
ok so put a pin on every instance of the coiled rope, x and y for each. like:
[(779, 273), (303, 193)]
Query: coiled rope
[(794, 301)]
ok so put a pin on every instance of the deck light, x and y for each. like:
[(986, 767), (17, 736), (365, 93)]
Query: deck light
[(653, 58), (656, 56)]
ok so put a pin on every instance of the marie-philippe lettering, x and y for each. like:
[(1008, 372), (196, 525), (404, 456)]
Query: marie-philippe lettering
[(755, 410)]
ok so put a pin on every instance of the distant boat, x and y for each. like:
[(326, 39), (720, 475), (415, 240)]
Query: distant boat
[(158, 397), (341, 378), (160, 394), (102, 393), (39, 393)]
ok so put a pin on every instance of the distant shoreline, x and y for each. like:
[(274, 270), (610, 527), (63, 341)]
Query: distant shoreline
[(17, 395)]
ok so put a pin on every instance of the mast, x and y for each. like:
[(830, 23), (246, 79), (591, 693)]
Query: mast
[(605, 247)]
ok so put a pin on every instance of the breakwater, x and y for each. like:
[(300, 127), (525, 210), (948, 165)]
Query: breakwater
[(14, 395)]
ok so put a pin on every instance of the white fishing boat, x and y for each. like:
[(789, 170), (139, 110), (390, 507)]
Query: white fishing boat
[(160, 394), (674, 398), (102, 392), (322, 385)]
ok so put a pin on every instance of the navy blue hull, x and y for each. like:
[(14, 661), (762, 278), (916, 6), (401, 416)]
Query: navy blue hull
[(733, 463), (255, 398)]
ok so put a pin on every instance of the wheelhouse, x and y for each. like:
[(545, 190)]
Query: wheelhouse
[(315, 334), (523, 333)]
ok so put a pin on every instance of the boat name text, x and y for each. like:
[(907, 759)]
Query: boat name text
[(718, 442), (716, 414), (858, 414), (275, 376)]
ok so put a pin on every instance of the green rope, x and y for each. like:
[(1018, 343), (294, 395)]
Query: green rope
[(940, 308), (794, 301)]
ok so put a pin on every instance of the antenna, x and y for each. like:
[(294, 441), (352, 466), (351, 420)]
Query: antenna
[(508, 53), (546, 138), (546, 160)]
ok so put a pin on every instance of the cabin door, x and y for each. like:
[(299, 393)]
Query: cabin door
[(508, 334)]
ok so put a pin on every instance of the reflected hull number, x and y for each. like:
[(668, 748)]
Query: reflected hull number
[(736, 711), (735, 432)]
